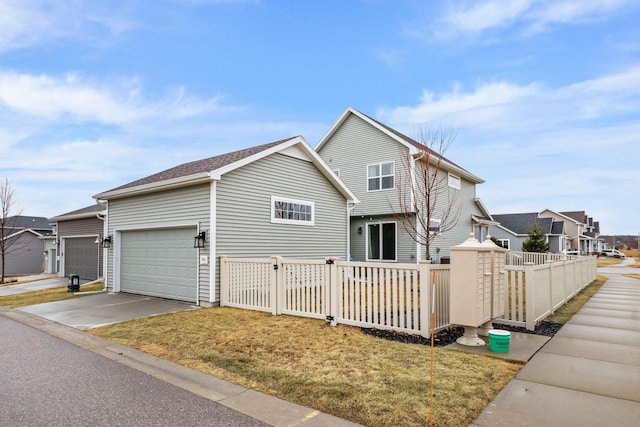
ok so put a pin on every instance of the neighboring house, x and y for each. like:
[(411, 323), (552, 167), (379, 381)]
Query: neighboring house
[(378, 164), (593, 242), (78, 235), (513, 230), (273, 199), (580, 231), (25, 246)]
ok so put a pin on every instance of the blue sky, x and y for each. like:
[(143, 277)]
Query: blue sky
[(544, 96)]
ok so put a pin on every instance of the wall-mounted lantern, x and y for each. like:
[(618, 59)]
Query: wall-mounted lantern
[(198, 240), (106, 242)]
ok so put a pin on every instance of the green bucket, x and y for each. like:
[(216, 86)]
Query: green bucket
[(499, 340)]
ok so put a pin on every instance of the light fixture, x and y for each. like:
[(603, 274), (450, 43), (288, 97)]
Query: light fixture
[(106, 242), (360, 230), (198, 240)]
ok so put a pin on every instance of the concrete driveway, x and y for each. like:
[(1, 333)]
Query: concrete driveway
[(91, 311)]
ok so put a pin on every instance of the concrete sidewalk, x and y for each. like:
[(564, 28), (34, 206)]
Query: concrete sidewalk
[(587, 375)]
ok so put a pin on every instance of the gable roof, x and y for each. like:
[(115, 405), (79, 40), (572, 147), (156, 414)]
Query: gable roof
[(579, 216), (212, 168), (563, 216), (21, 222), (521, 223), (25, 231), (415, 147), (86, 212)]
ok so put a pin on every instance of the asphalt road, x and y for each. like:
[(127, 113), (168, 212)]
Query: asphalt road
[(45, 381)]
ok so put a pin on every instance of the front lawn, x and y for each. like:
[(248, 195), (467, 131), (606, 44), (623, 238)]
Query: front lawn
[(45, 295), (338, 370)]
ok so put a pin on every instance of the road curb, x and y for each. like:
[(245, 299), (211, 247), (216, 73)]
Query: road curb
[(263, 407)]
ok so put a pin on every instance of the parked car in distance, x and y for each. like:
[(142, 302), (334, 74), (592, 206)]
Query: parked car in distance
[(612, 252)]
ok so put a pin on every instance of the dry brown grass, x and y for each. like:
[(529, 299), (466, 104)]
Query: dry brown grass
[(564, 313), (633, 276), (338, 370), (604, 261), (45, 295)]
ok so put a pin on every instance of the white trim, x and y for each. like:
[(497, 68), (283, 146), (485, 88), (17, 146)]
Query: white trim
[(412, 149), (116, 245), (275, 220), (381, 176), (168, 184), (366, 241), (457, 182), (504, 240), (212, 242)]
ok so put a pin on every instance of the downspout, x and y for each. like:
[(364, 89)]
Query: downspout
[(105, 252), (350, 208)]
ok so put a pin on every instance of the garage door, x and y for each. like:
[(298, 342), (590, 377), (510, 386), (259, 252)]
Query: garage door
[(81, 257), (160, 263)]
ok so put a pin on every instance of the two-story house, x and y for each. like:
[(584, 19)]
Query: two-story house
[(580, 229), (513, 230), (385, 170)]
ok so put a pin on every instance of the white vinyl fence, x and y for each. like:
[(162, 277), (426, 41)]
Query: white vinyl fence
[(365, 294), (391, 296), (536, 291)]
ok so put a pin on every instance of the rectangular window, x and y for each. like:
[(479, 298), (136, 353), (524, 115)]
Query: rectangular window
[(381, 241), (454, 181), (434, 226), (504, 243), (290, 211), (380, 176)]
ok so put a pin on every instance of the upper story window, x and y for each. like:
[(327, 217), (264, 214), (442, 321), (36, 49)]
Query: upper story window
[(380, 176), (290, 211), (454, 181)]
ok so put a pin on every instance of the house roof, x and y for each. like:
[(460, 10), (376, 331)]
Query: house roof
[(521, 223), (414, 146), (579, 216), (86, 212), (21, 222), (212, 168)]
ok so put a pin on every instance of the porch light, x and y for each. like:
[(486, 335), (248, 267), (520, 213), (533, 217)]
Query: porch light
[(198, 240), (106, 242)]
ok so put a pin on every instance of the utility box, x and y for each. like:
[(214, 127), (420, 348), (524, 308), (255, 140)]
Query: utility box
[(477, 284)]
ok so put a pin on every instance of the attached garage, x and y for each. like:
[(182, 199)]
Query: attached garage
[(81, 257), (159, 263)]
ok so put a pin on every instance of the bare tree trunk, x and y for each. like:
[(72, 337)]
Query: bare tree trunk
[(7, 223), (428, 204)]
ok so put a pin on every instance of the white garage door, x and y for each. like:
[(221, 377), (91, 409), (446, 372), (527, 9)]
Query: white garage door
[(159, 263), (81, 257)]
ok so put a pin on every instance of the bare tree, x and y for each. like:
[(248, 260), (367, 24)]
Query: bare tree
[(427, 201), (8, 219)]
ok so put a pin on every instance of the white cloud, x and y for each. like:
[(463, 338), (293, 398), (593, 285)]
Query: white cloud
[(529, 16), (76, 99), (505, 105), (26, 23)]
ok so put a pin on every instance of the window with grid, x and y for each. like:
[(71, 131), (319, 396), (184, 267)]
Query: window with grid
[(380, 176), (290, 211)]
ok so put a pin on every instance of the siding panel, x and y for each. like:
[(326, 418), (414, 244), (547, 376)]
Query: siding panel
[(243, 201), (191, 204)]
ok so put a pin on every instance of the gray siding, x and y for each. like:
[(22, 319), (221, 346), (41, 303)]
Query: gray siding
[(164, 209), (243, 211), (467, 207), (405, 245), (80, 227), (83, 227), (351, 148), (515, 242), (25, 255)]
